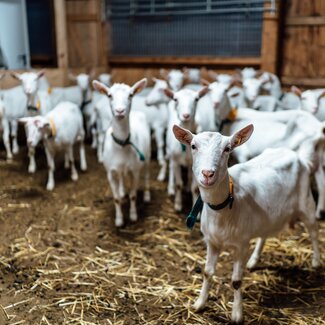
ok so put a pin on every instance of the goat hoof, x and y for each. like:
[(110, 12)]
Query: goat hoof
[(50, 187), (198, 305), (315, 263), (321, 215), (251, 264), (133, 216), (31, 169), (118, 223), (147, 196), (237, 317), (74, 177), (15, 150), (178, 207)]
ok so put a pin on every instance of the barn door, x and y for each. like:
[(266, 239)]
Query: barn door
[(14, 47)]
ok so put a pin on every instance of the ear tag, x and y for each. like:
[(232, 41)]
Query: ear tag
[(38, 105), (49, 90), (239, 142)]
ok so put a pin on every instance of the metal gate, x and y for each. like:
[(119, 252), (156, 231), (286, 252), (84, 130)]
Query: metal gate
[(185, 28)]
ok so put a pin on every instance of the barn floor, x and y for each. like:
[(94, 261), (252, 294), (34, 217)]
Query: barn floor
[(63, 262)]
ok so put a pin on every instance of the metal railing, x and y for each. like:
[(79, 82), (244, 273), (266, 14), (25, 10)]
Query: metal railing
[(187, 27)]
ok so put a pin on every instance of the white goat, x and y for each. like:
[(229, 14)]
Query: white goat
[(126, 147), (182, 110), (39, 102), (105, 78), (175, 78), (312, 101), (59, 130), (275, 129), (255, 199), (13, 105), (235, 93)]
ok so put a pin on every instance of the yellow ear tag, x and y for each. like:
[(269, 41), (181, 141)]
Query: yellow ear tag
[(233, 114), (239, 142), (49, 90), (38, 105)]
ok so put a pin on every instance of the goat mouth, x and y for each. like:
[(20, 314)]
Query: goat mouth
[(208, 182), (120, 116)]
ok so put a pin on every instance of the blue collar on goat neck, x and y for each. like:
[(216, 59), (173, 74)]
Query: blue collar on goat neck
[(127, 141), (198, 206)]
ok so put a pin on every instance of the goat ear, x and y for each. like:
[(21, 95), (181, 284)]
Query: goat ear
[(202, 92), (213, 75), (169, 93), (15, 75), (164, 73), (258, 73), (296, 91), (205, 82), (182, 135), (101, 87), (138, 86), (241, 136), (40, 73), (71, 76), (321, 95)]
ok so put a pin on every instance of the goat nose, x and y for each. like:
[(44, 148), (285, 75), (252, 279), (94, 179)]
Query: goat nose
[(186, 116), (120, 111), (208, 173)]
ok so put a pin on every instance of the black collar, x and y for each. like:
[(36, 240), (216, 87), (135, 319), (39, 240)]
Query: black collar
[(229, 200), (122, 143), (198, 206), (32, 108)]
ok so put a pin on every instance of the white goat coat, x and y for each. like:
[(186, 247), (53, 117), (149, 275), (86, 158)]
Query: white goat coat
[(68, 123), (125, 159), (269, 191)]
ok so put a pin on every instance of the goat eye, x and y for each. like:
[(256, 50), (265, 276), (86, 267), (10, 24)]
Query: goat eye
[(193, 146), (109, 95), (227, 149)]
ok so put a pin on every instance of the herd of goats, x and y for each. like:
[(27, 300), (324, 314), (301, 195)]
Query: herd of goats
[(277, 138)]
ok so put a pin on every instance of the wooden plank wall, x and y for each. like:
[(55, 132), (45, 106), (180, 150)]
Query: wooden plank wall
[(85, 29), (303, 43)]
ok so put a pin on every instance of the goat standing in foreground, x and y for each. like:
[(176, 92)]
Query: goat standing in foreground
[(255, 199), (126, 147)]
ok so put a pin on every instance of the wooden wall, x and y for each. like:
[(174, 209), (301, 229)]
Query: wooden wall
[(303, 43)]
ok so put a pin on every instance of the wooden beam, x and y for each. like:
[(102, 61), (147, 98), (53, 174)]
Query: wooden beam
[(270, 38), (82, 18), (307, 82), (169, 60), (61, 33), (305, 21)]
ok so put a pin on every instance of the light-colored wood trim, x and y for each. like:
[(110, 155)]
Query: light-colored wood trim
[(312, 82), (61, 33), (305, 21), (224, 61)]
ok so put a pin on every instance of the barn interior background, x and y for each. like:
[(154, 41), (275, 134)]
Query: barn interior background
[(285, 37), (61, 259)]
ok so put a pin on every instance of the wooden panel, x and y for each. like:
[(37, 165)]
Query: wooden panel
[(302, 52), (270, 39), (305, 21), (306, 82), (83, 49), (61, 33), (81, 7), (297, 8)]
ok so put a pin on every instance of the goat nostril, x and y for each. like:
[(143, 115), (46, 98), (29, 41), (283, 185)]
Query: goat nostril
[(186, 115), (208, 173)]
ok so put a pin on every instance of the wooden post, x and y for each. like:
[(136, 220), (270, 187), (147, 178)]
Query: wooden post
[(270, 37), (61, 35)]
